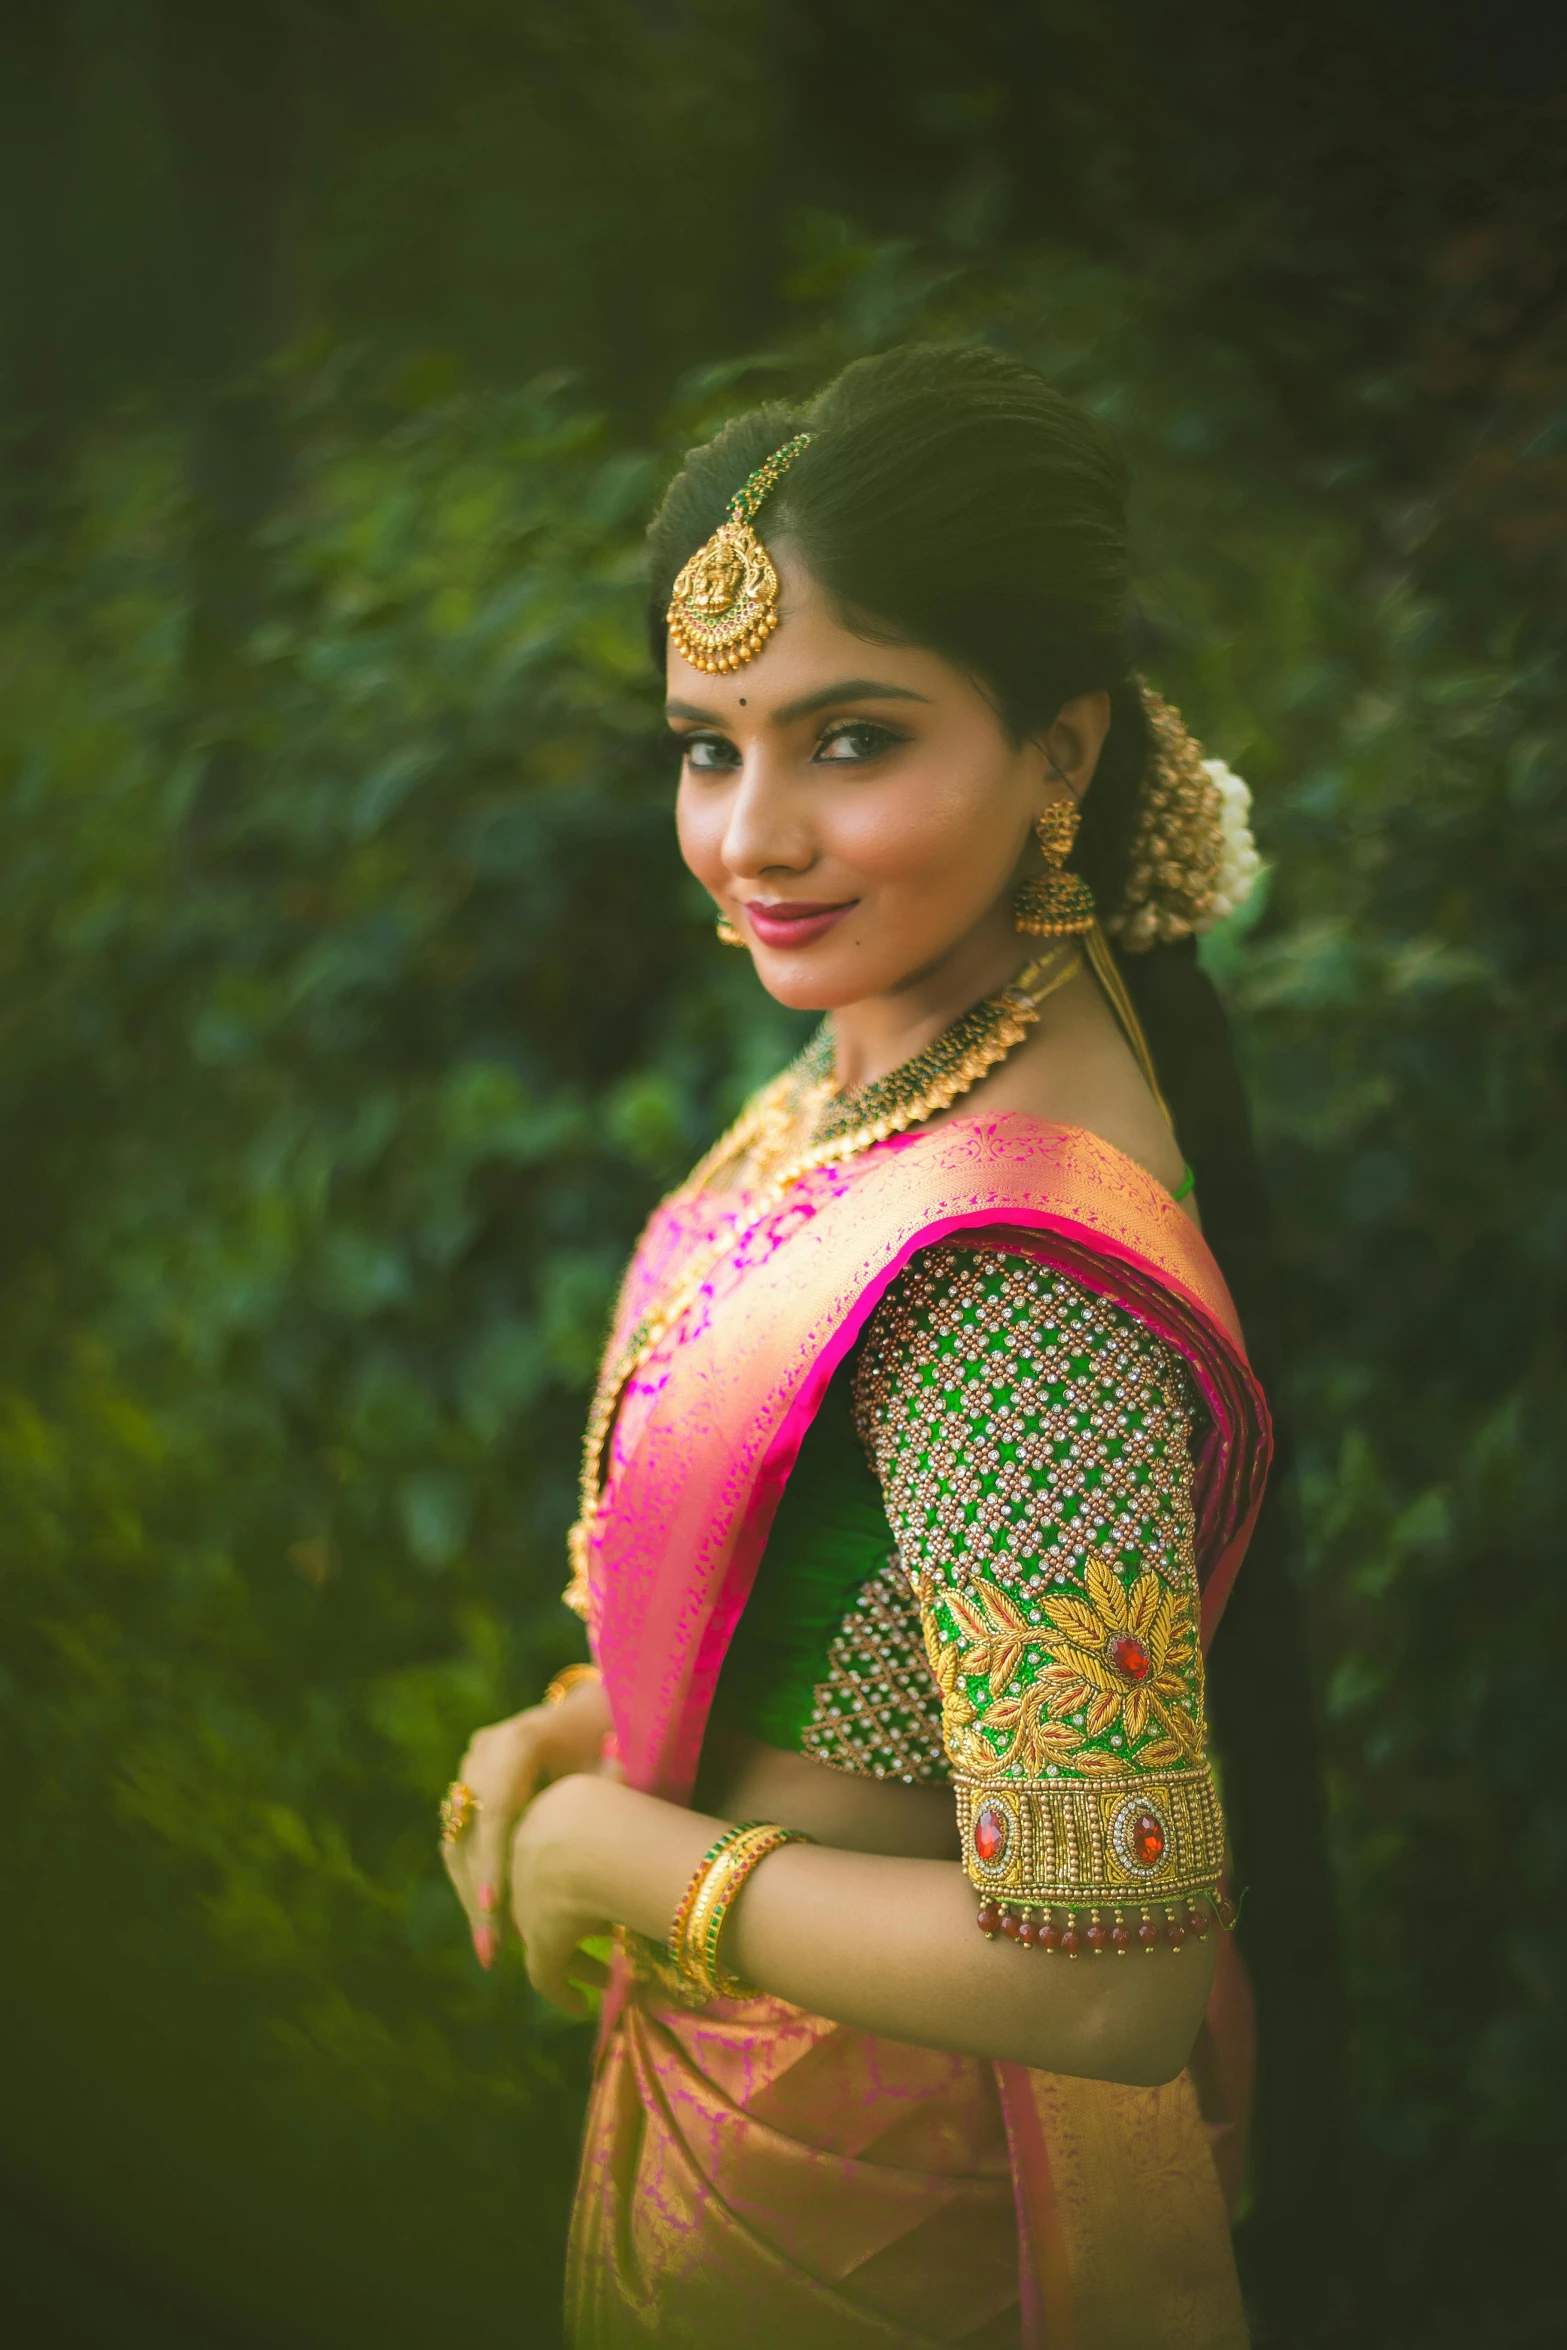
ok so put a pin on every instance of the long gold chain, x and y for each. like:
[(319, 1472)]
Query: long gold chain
[(803, 1099)]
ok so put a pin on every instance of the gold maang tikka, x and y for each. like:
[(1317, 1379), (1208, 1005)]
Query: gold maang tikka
[(725, 602), (1056, 904)]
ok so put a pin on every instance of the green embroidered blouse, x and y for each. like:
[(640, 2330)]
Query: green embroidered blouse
[(982, 1571)]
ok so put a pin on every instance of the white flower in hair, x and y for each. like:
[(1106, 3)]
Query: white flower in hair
[(1192, 859), (1239, 863)]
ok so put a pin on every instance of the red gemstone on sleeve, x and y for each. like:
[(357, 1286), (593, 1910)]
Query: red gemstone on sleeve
[(1145, 1835), (1130, 1656), (990, 1833)]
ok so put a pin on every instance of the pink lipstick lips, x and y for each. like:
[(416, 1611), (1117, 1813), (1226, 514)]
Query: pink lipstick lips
[(784, 924)]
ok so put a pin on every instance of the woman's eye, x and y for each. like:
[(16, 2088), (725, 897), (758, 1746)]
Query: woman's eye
[(857, 739), (705, 753)]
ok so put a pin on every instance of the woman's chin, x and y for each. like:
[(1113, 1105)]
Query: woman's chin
[(806, 980)]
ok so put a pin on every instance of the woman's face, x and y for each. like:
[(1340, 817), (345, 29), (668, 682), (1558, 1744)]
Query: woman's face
[(858, 810)]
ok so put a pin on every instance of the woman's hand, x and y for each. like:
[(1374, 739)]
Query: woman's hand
[(562, 1851), (506, 1764)]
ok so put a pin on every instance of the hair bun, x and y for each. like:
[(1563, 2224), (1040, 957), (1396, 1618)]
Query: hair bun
[(1192, 858)]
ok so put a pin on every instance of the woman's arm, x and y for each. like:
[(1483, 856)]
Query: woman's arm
[(886, 1946)]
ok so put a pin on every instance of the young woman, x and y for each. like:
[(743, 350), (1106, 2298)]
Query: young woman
[(924, 1453)]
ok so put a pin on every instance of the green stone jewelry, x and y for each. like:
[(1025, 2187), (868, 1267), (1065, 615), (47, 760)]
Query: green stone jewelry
[(977, 1040)]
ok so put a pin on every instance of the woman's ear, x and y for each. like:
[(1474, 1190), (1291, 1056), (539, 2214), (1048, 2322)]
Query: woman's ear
[(1075, 740)]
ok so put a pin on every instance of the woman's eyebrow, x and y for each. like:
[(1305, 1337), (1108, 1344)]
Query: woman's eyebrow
[(852, 689), (849, 689)]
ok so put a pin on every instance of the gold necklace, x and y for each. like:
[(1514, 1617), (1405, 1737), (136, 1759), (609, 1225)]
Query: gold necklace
[(799, 1122), (803, 1120)]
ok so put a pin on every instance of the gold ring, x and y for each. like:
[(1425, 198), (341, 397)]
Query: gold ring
[(460, 1807), (566, 1680)]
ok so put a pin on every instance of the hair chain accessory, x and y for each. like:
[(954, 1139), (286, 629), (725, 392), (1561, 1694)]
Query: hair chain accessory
[(724, 606)]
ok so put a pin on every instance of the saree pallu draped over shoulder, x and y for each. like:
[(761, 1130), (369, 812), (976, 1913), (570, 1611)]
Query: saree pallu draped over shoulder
[(752, 2173)]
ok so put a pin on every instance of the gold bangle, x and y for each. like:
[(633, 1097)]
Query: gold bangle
[(677, 1931), (566, 1680), (706, 1911)]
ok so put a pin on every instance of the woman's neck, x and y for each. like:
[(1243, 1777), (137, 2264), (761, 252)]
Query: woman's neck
[(873, 1037)]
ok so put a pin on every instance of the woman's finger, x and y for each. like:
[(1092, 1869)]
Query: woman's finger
[(567, 1978), (503, 1766), (484, 1864)]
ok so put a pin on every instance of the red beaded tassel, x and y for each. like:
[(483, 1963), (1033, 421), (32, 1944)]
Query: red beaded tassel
[(1036, 1929)]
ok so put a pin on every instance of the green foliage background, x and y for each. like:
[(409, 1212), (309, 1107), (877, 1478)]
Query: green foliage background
[(355, 1008)]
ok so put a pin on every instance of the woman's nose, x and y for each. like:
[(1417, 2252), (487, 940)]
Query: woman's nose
[(765, 828)]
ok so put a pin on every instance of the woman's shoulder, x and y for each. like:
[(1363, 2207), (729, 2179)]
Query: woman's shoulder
[(998, 1280), (1097, 1092), (982, 1326), (1075, 1069)]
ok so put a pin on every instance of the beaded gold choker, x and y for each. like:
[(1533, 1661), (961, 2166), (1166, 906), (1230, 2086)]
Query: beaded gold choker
[(933, 1079), (725, 602)]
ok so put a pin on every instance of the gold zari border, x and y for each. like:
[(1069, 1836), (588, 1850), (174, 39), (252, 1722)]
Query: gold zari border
[(1061, 1839)]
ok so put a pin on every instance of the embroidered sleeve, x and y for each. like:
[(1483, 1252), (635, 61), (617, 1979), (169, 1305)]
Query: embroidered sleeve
[(1033, 1443)]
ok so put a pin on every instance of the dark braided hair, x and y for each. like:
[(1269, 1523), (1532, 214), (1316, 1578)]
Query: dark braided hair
[(951, 498)]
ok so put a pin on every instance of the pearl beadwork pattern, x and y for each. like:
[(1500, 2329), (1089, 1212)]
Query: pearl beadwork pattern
[(877, 1713), (1018, 1422)]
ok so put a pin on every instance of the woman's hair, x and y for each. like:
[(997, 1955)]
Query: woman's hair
[(951, 498)]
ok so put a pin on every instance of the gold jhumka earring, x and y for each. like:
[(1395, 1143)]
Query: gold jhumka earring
[(726, 932), (724, 606), (1057, 904)]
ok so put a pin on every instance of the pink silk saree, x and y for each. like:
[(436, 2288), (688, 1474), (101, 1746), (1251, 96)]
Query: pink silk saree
[(755, 2174)]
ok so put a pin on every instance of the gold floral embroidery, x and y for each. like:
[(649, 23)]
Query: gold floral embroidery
[(1125, 1657), (993, 1642)]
